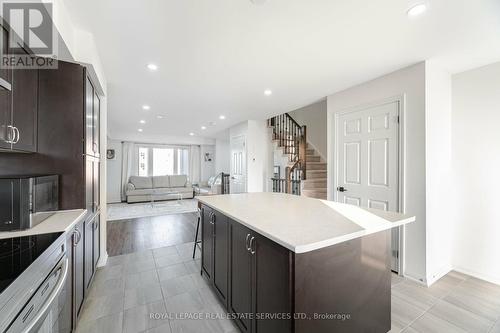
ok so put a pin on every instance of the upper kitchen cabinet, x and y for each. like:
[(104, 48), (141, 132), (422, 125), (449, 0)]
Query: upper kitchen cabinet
[(19, 110), (5, 73), (92, 120)]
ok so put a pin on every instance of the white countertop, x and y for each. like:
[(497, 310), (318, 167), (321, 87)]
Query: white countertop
[(61, 221), (303, 224)]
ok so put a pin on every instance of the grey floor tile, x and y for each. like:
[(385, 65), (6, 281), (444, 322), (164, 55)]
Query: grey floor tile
[(196, 326), (178, 285), (108, 324), (141, 318), (468, 300), (193, 266), (464, 319), (414, 294), (165, 328), (138, 266), (403, 313), (409, 330), (108, 273), (98, 307), (143, 295), (191, 301), (458, 275), (429, 323), (395, 279), (200, 280), (164, 251), (136, 280), (444, 286), (495, 328), (172, 271), (101, 288), (168, 260), (116, 260)]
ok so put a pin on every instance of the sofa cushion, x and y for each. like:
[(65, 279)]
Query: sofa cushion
[(141, 182), (144, 191), (161, 181), (178, 181)]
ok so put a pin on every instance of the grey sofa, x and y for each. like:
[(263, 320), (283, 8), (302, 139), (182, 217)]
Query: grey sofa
[(141, 189)]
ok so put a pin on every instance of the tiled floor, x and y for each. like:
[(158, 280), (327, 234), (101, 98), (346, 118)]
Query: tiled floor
[(167, 280)]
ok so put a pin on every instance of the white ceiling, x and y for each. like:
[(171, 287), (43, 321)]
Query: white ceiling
[(218, 56)]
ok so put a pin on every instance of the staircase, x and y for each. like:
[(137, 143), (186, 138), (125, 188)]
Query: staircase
[(314, 186), (306, 172)]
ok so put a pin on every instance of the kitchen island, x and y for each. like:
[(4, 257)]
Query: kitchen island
[(285, 263)]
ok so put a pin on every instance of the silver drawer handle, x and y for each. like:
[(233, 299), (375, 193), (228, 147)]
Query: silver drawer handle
[(252, 242), (246, 242), (17, 135)]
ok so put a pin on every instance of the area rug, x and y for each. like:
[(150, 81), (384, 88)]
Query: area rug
[(122, 211)]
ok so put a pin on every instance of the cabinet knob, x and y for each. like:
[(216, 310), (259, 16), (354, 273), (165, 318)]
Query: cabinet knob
[(7, 222)]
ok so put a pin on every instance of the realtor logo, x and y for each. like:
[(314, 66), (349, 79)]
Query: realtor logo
[(31, 31)]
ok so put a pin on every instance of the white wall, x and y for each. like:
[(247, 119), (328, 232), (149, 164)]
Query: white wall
[(259, 153), (476, 177), (222, 153), (114, 171), (439, 202), (207, 167), (314, 117), (409, 83)]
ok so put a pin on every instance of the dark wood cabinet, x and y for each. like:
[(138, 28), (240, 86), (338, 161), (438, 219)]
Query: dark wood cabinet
[(207, 246), (92, 184), (78, 268), (89, 250), (5, 73), (251, 274), (6, 130), (92, 119), (25, 109), (240, 299), (221, 255), (97, 243), (6, 204)]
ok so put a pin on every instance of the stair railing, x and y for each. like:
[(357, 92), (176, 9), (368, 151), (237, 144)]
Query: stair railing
[(292, 138)]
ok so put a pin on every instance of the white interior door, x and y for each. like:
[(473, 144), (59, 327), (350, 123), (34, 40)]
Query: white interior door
[(368, 161), (238, 165)]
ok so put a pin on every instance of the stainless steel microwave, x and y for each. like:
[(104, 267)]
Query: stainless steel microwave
[(26, 201)]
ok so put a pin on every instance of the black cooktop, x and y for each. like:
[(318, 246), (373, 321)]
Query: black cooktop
[(17, 253)]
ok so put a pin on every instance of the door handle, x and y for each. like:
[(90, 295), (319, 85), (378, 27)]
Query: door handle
[(246, 242), (17, 135), (11, 134), (341, 189), (252, 242)]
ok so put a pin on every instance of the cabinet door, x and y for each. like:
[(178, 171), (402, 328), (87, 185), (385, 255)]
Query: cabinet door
[(89, 118), (78, 268), (6, 204), (5, 73), (95, 185), (89, 251), (221, 257), (89, 187), (96, 125), (70, 276), (207, 241), (272, 285), (240, 296), (6, 131), (96, 239), (25, 109)]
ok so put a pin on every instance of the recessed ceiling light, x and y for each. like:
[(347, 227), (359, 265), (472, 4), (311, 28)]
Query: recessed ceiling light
[(203, 127), (142, 121), (152, 67), (191, 133), (159, 116), (222, 117), (416, 10), (146, 107), (268, 92), (140, 129)]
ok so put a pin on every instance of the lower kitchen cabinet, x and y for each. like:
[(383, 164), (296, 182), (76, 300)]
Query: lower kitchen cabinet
[(250, 273), (83, 254)]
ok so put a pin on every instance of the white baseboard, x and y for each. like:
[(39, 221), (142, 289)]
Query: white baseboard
[(414, 279), (442, 272), (103, 260), (478, 275)]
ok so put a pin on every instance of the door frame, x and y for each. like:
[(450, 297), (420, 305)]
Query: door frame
[(243, 138), (333, 195)]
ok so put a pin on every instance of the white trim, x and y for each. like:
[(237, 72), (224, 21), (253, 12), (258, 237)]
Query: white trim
[(333, 179), (477, 275)]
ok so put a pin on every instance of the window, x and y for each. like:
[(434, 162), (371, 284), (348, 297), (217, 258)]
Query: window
[(161, 161)]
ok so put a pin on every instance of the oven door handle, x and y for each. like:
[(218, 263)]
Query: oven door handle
[(50, 299)]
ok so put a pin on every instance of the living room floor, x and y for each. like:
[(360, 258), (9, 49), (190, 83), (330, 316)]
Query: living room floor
[(166, 282), (143, 233)]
